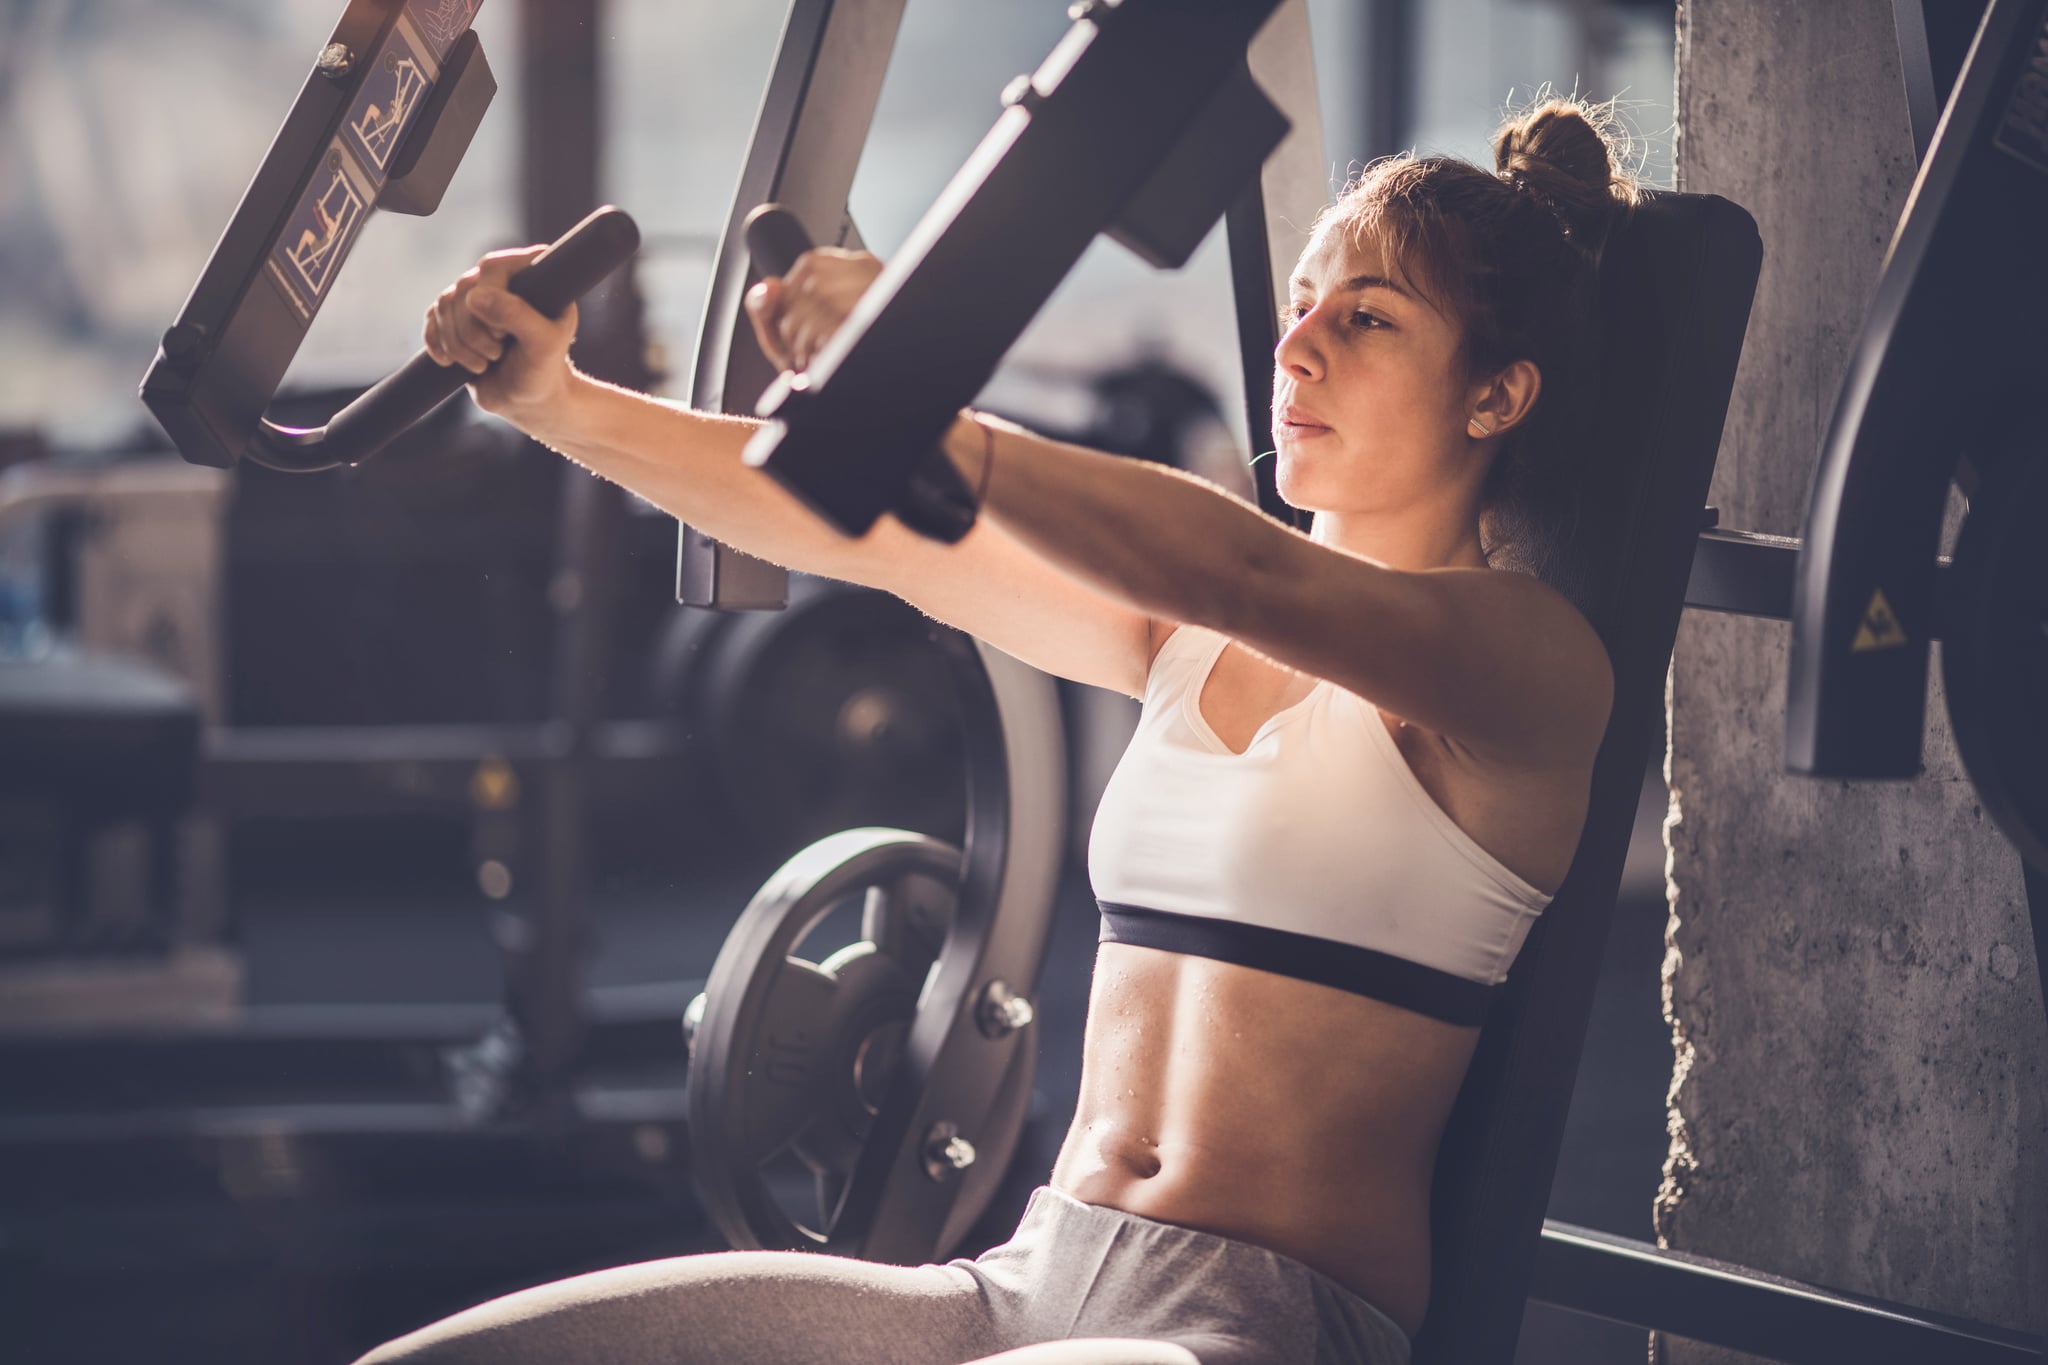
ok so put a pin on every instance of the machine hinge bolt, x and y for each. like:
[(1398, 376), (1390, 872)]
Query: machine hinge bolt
[(1002, 1011), (335, 61), (183, 341), (946, 1153)]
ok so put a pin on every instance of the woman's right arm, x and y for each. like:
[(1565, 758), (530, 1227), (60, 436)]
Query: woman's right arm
[(688, 464)]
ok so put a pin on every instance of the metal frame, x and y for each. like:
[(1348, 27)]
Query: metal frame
[(1951, 333), (224, 357), (1733, 1306), (1933, 40), (1877, 507), (342, 152), (813, 122), (1141, 93), (1615, 1277)]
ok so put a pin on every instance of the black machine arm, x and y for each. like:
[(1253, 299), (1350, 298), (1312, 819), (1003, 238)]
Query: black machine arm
[(1146, 116), (1952, 340), (570, 267), (382, 122), (808, 134)]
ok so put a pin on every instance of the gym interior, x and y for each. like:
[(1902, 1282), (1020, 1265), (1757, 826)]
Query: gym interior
[(408, 840)]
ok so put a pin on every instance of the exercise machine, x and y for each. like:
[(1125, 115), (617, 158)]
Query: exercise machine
[(1675, 286)]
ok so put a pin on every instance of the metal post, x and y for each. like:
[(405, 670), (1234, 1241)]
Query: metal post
[(808, 135), (561, 141)]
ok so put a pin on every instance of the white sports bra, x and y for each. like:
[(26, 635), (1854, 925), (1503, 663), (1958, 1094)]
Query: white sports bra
[(1316, 853)]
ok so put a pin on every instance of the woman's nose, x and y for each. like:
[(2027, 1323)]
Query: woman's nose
[(1297, 351)]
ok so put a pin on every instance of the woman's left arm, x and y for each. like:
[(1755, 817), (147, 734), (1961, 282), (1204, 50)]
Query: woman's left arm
[(1498, 661)]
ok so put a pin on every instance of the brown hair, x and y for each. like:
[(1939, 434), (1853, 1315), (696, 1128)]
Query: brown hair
[(1510, 255)]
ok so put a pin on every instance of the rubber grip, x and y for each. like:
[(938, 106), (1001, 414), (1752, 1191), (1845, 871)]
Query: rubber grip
[(556, 278), (577, 260), (775, 238)]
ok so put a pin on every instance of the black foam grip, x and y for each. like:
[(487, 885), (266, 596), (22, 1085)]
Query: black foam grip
[(775, 239), (566, 270), (577, 260)]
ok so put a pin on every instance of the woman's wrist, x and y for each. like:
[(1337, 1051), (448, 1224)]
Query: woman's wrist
[(559, 418)]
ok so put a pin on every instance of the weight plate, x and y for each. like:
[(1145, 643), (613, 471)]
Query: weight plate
[(836, 712), (790, 1058), (1994, 653)]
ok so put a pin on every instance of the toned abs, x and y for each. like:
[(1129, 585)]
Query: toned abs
[(1288, 1114), (1285, 1113)]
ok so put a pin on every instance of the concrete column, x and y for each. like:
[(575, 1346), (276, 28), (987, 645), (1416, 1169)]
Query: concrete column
[(1860, 1089)]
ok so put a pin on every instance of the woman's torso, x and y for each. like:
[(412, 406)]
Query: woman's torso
[(1287, 1113)]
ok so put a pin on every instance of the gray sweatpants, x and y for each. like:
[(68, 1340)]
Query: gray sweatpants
[(1079, 1284)]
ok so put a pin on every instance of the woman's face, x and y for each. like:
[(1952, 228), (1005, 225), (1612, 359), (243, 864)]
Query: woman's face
[(1369, 401)]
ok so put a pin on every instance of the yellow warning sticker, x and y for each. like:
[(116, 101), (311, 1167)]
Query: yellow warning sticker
[(1880, 628)]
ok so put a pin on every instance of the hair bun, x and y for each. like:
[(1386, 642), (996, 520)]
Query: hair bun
[(1561, 152)]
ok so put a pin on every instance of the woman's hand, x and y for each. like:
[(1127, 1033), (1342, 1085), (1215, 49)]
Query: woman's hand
[(477, 322), (796, 314)]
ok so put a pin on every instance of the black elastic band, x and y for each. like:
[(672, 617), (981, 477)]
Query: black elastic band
[(937, 503), (1346, 966)]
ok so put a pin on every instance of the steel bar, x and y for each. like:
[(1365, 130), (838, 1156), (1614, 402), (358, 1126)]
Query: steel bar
[(1772, 1316)]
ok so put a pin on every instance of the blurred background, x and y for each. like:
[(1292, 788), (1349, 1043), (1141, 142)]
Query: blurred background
[(225, 1000)]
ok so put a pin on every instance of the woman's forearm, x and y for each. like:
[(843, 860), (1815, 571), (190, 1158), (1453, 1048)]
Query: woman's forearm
[(1122, 525), (688, 464), (1164, 542)]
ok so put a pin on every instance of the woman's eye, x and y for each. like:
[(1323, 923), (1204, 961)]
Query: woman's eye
[(1367, 320)]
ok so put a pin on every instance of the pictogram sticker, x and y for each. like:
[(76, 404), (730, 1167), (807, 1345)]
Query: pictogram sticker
[(441, 22), (1880, 628), (319, 233), (390, 96)]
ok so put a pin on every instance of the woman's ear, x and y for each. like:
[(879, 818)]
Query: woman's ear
[(1502, 402)]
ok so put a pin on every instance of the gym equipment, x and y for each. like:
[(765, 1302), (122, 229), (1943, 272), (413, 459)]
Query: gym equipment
[(820, 102), (382, 121), (831, 713), (1994, 655), (1675, 286), (808, 134), (895, 1069), (815, 115), (1136, 94), (808, 1058), (947, 1088), (1953, 331)]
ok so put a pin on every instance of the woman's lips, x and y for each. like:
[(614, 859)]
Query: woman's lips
[(1299, 423)]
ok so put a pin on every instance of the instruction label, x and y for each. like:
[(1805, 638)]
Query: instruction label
[(320, 231), (441, 22), (391, 95)]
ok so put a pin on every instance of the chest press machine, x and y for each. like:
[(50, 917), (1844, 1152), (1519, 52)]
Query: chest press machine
[(1675, 286), (912, 1055)]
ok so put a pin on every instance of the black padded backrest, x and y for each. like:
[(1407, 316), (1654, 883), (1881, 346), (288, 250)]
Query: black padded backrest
[(1675, 287)]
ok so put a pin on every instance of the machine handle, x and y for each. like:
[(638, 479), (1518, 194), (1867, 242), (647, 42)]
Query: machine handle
[(566, 270), (775, 239)]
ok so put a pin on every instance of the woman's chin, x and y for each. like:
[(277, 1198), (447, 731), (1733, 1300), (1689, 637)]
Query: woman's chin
[(1296, 487)]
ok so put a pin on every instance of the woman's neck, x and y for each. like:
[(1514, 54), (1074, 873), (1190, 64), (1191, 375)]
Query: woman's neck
[(1403, 541)]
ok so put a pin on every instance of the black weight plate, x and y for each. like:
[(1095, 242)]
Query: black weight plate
[(834, 713), (790, 1057), (1995, 651)]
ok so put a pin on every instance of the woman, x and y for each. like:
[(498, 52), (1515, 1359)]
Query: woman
[(1360, 773)]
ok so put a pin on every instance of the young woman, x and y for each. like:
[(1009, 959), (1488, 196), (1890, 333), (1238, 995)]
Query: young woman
[(1360, 774)]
